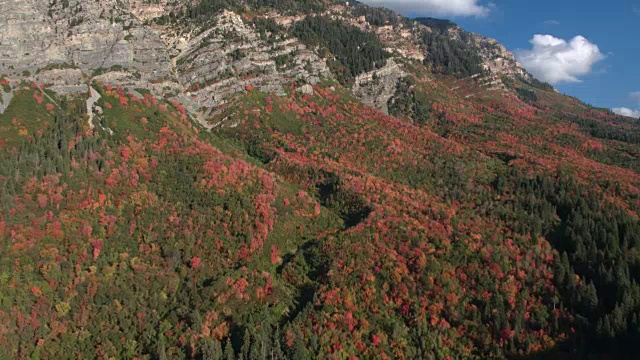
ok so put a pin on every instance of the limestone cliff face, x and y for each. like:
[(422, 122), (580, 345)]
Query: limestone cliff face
[(67, 44), (52, 40), (226, 58), (27, 35), (375, 88), (496, 58)]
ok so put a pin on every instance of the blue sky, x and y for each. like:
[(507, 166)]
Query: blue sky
[(604, 66)]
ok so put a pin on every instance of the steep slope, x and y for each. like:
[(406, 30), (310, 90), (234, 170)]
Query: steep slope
[(200, 52), (218, 180), (494, 57), (89, 213)]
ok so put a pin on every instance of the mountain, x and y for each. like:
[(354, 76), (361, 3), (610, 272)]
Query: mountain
[(199, 54), (302, 179)]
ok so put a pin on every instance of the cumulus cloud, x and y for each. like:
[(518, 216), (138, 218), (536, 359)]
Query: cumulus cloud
[(434, 7), (635, 96), (556, 60), (627, 112)]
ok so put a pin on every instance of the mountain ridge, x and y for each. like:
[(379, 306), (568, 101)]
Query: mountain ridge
[(118, 43)]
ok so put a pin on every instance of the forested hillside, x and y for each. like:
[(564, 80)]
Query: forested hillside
[(473, 221)]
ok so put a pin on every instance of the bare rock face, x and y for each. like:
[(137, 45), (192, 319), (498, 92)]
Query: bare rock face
[(68, 44), (305, 89), (63, 80), (496, 58), (87, 35), (225, 59), (145, 10), (27, 35), (5, 99), (375, 88)]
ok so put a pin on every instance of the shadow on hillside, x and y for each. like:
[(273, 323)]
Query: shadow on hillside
[(557, 353), (612, 349), (349, 206)]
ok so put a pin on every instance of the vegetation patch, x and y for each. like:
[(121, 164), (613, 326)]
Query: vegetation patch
[(354, 50)]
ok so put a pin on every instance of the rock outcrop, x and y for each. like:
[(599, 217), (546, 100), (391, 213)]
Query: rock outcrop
[(496, 58), (92, 36), (68, 44), (375, 88)]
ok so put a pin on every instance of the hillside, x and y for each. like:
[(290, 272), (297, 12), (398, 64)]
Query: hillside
[(226, 179)]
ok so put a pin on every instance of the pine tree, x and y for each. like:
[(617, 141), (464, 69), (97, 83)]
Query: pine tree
[(590, 297), (229, 354), (276, 347), (300, 351), (211, 350), (161, 350), (196, 319), (604, 328), (245, 350)]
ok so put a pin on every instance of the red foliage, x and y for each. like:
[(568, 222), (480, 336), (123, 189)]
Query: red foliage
[(42, 200), (97, 248), (275, 257), (86, 230), (126, 152), (195, 262), (375, 339), (38, 97), (36, 291)]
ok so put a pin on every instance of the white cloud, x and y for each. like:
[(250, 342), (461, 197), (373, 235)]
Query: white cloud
[(552, 22), (635, 96), (556, 60), (627, 112), (434, 7)]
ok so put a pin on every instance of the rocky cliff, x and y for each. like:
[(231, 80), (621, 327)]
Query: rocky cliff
[(70, 43)]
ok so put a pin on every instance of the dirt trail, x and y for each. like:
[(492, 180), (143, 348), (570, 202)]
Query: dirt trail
[(90, 102)]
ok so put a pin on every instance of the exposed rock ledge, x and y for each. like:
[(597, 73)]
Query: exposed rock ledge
[(375, 88)]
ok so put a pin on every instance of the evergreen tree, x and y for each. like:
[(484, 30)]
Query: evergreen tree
[(245, 351), (229, 354), (211, 350), (161, 351), (590, 297)]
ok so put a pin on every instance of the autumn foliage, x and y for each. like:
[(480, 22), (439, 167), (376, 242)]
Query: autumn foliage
[(314, 226)]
